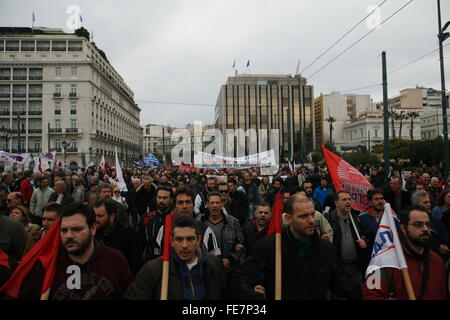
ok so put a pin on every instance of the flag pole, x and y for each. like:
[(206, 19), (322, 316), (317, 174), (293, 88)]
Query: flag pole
[(166, 257), (354, 226), (278, 266), (46, 294), (408, 284)]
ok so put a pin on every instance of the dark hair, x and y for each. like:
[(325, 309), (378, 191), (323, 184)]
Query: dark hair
[(167, 188), (405, 213), (213, 194), (336, 196), (78, 207), (288, 190), (373, 192), (441, 200), (211, 178), (299, 189), (306, 181), (53, 207), (278, 179), (263, 204), (186, 192), (233, 181), (222, 184), (183, 221), (104, 186), (109, 204)]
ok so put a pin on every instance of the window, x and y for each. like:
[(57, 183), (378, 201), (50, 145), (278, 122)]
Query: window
[(73, 90), (73, 123), (37, 145), (58, 88), (73, 72), (73, 144), (73, 108), (58, 144), (37, 125), (58, 108), (58, 124), (58, 72)]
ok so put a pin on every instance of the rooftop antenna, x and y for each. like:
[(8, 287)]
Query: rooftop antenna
[(298, 67)]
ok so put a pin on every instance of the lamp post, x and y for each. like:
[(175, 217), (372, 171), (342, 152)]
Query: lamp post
[(90, 154), (64, 144), (442, 36), (6, 132)]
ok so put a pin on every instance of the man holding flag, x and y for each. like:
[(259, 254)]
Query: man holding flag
[(409, 269)]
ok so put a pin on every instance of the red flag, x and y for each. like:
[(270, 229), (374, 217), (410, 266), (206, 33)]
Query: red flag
[(277, 211), (46, 251), (346, 177), (167, 234)]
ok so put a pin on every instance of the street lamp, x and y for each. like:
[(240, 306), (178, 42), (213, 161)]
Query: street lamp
[(90, 154), (64, 144), (442, 36)]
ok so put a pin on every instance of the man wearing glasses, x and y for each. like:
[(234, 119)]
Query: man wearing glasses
[(426, 268), (230, 205)]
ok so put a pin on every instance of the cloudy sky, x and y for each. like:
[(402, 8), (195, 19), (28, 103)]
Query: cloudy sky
[(182, 51)]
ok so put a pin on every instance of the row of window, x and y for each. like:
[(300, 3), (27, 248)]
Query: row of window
[(73, 72), (73, 123)]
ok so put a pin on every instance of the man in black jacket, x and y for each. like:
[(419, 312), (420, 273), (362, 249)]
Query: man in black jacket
[(396, 197), (308, 262), (231, 206), (145, 198), (116, 235), (352, 251), (61, 195)]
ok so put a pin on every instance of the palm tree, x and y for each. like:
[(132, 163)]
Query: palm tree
[(330, 120), (393, 115), (412, 115), (401, 117)]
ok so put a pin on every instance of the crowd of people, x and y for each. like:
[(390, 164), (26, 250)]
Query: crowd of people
[(221, 248)]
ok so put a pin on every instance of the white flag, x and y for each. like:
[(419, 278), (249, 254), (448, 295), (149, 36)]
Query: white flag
[(290, 166), (103, 164), (120, 183), (387, 250)]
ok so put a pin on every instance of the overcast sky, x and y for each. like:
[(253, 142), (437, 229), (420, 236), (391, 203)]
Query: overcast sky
[(183, 50)]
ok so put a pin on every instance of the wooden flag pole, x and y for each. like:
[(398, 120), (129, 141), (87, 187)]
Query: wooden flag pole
[(166, 257), (46, 294), (408, 284), (165, 280), (354, 226), (278, 266)]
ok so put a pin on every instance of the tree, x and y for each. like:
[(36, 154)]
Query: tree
[(330, 121), (412, 116), (399, 149), (401, 117), (362, 158), (393, 115)]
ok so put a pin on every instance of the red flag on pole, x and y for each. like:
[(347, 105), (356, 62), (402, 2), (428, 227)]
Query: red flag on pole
[(167, 234), (346, 177), (45, 251), (277, 211)]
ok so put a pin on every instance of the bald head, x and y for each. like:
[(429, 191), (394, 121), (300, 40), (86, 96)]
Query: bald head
[(60, 186)]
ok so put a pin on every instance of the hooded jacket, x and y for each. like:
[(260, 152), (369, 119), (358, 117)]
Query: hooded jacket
[(209, 275), (94, 280)]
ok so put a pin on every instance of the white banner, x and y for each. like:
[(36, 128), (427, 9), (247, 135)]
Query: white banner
[(15, 158), (262, 159), (387, 250)]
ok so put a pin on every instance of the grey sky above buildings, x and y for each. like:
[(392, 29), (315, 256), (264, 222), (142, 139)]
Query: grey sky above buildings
[(183, 50)]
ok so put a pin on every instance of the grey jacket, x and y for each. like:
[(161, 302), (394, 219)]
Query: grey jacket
[(39, 199)]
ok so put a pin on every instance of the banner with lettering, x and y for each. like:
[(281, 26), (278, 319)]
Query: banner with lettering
[(15, 158), (346, 177), (208, 160)]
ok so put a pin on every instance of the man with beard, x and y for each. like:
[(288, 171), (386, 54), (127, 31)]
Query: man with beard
[(115, 235), (105, 191), (277, 187), (257, 229), (86, 269), (201, 199), (153, 221), (308, 187), (374, 213), (426, 268)]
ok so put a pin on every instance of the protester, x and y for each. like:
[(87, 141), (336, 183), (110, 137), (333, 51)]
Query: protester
[(257, 229), (396, 197), (61, 195), (40, 197), (50, 214)]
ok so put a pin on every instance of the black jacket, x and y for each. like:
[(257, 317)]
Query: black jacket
[(65, 201), (310, 277), (145, 199), (236, 210), (390, 198), (124, 239)]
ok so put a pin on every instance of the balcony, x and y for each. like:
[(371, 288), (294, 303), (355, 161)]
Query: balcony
[(19, 77), (57, 149), (34, 150), (72, 130), (55, 130), (57, 95), (73, 95), (5, 77), (34, 113), (5, 94), (35, 77), (58, 48), (72, 150), (35, 94), (12, 48), (15, 131), (5, 113), (22, 113), (34, 130), (43, 48), (19, 94), (73, 111), (57, 111), (75, 48)]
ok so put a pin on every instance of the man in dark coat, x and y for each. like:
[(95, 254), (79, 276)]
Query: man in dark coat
[(396, 197), (61, 195)]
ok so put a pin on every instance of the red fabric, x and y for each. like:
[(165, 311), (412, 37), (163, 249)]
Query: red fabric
[(436, 284), (4, 259), (275, 224), (26, 189), (45, 250), (346, 177), (167, 234)]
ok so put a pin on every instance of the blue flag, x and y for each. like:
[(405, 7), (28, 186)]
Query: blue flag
[(151, 161)]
